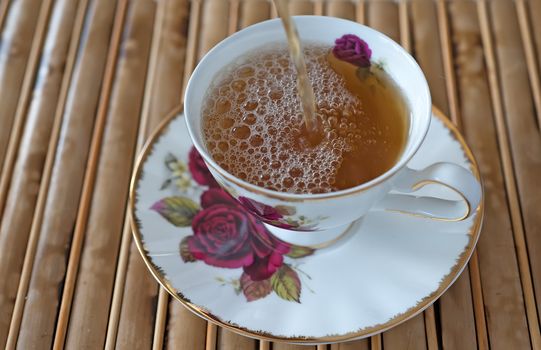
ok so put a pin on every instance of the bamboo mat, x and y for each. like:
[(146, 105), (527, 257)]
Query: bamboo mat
[(82, 84)]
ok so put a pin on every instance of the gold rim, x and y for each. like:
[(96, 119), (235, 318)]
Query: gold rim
[(445, 283)]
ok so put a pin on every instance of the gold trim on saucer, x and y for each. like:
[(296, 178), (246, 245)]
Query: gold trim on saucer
[(159, 275)]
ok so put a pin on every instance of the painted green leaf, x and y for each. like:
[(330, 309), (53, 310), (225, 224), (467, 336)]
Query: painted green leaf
[(297, 252), (185, 253), (254, 290), (285, 210), (286, 284), (177, 210)]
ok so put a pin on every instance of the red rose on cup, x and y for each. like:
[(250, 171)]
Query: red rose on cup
[(352, 49), (265, 212), (198, 169), (262, 210), (225, 235)]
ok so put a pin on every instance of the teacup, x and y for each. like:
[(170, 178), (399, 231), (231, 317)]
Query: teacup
[(327, 216)]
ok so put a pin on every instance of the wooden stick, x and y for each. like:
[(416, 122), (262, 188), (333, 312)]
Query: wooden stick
[(342, 9), (233, 16), (529, 50), (405, 35), (212, 331), (509, 176), (161, 318), (191, 50), (46, 177), (478, 304), (376, 342), (4, 5), (90, 176), (254, 11), (264, 345), (360, 11), (430, 327), (450, 80), (318, 7)]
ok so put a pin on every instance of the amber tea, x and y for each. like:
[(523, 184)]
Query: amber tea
[(253, 123)]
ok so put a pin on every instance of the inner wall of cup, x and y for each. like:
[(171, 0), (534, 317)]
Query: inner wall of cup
[(404, 71)]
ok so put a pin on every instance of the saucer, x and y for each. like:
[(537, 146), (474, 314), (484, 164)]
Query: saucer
[(223, 265)]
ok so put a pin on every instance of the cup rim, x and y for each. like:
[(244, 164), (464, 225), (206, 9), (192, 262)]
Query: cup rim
[(287, 196)]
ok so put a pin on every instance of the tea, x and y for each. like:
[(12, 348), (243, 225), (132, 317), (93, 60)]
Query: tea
[(253, 124)]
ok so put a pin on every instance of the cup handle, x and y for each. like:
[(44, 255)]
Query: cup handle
[(450, 175)]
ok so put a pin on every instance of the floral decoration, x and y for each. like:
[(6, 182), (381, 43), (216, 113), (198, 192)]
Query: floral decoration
[(352, 49), (226, 235)]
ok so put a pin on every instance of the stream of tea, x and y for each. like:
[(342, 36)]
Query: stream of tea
[(306, 92)]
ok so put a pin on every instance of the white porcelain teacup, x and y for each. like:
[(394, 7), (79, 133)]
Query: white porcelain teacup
[(328, 215)]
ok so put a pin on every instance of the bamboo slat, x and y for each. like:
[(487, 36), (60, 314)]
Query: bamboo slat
[(384, 16), (212, 333), (301, 7), (4, 6), (533, 8), (340, 8), (26, 164), (284, 346), (376, 342), (354, 345), (228, 340), (428, 51), (113, 170), (45, 114), (214, 24), (18, 31), (431, 328), (408, 335), (533, 69), (185, 330), (478, 304), (15, 133), (253, 11)]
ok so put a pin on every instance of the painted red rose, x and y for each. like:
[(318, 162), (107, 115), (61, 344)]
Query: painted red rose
[(214, 196), (225, 235), (259, 209), (198, 169), (352, 49)]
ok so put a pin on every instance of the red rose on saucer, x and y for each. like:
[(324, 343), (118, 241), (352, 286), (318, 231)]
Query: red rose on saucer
[(198, 169), (225, 235)]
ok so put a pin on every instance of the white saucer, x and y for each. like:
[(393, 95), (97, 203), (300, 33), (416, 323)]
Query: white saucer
[(388, 269)]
